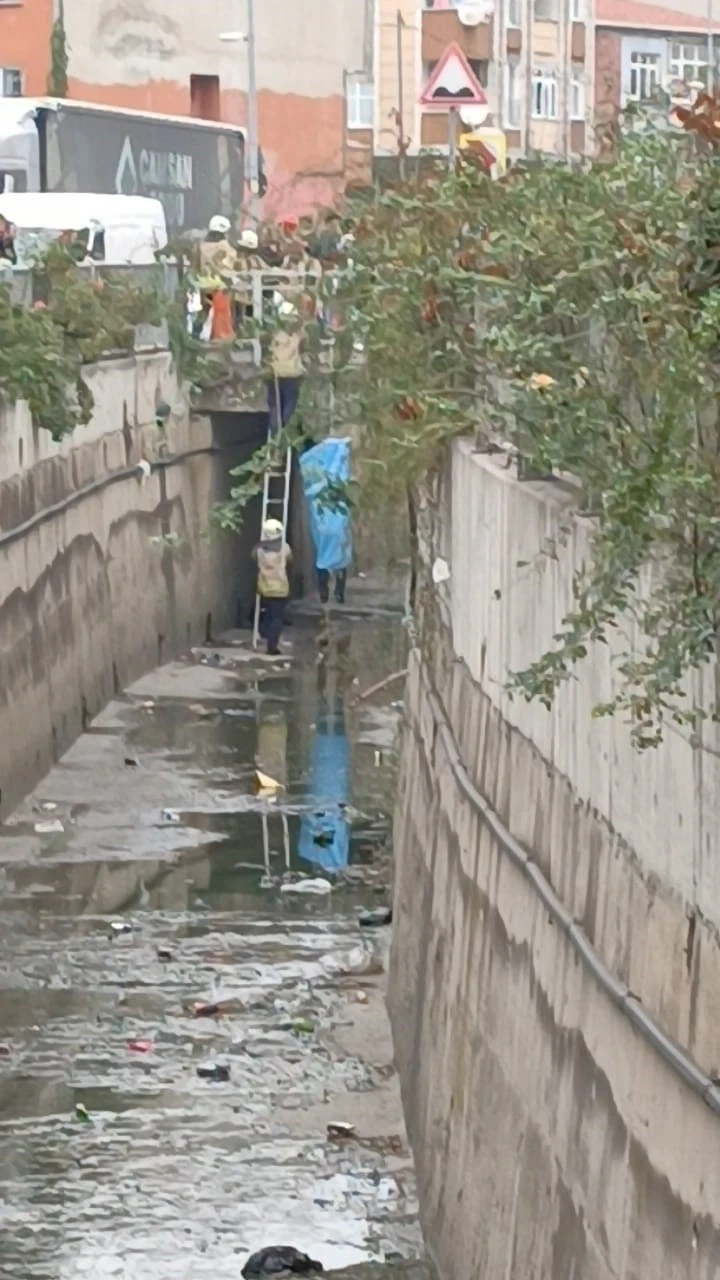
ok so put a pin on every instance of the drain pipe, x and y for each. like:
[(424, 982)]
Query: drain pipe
[(679, 1062)]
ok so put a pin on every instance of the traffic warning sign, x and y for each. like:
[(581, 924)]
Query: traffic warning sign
[(453, 83)]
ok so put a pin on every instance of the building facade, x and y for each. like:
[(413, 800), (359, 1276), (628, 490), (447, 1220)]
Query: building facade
[(532, 57), (167, 56), (641, 48)]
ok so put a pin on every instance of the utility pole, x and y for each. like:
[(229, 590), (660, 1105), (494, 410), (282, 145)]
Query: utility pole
[(252, 130), (400, 27), (710, 48)]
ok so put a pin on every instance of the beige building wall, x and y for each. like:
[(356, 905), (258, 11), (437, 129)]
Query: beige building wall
[(397, 48)]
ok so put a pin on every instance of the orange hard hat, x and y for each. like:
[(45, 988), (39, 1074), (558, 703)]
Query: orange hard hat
[(290, 222)]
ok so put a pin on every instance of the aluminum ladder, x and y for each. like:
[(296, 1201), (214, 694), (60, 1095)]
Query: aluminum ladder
[(275, 506)]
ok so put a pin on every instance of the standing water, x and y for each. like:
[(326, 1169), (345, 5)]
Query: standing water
[(195, 1059)]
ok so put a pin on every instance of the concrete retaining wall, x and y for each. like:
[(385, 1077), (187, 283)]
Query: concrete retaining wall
[(101, 575), (552, 1141)]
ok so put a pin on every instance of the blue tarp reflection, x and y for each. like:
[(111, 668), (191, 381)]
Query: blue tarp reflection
[(325, 833)]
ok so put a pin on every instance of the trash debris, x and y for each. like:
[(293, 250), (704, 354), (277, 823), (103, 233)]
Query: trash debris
[(206, 1009), (217, 1071), (361, 997), (303, 1027), (359, 961), (237, 712), (4, 1050), (211, 660), (131, 762), (48, 806), (277, 1260), (375, 919), (318, 886), (148, 705), (266, 785), (340, 1131), (82, 1113), (140, 1046), (120, 927), (440, 571), (379, 759), (164, 953), (199, 710), (170, 817), (50, 828)]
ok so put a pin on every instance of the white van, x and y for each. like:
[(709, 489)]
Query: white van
[(121, 230)]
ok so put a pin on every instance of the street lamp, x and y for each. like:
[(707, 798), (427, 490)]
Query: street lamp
[(248, 37)]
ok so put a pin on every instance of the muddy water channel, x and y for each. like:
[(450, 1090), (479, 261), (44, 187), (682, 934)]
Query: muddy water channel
[(147, 877)]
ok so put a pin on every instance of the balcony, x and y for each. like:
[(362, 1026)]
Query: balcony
[(441, 26)]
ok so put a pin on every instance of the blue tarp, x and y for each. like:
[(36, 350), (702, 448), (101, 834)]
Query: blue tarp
[(325, 833), (325, 465)]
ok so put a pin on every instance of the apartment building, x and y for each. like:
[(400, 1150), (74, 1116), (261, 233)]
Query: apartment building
[(533, 59), (167, 56), (642, 47)]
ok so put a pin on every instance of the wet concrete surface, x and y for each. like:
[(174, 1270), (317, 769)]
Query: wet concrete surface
[(147, 875)]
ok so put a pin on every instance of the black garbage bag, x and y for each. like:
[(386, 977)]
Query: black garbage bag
[(278, 1260)]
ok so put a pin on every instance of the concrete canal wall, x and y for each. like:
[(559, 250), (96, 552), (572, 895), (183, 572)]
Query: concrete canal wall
[(102, 574), (557, 1135)]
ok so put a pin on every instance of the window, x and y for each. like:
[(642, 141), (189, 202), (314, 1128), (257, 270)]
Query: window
[(512, 96), (577, 10), (545, 95), (360, 102), (443, 4), (546, 10), (577, 98), (514, 13), (205, 97), (644, 75), (689, 61), (11, 82)]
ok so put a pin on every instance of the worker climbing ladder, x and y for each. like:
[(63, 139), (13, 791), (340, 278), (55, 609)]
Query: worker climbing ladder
[(275, 497)]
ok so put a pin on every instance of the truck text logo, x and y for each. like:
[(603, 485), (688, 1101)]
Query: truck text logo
[(166, 175)]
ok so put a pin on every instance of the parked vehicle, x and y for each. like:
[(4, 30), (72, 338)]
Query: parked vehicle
[(194, 167), (115, 230)]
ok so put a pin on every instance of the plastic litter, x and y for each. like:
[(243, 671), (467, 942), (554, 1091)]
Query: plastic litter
[(4, 1050), (81, 1113), (199, 710), (206, 1009), (50, 828), (376, 919), (217, 1071), (140, 1046), (303, 1027), (119, 927), (266, 785), (131, 762), (48, 806), (170, 817), (340, 1131), (164, 953), (317, 886)]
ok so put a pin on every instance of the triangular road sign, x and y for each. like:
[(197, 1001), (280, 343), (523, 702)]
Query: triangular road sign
[(453, 83)]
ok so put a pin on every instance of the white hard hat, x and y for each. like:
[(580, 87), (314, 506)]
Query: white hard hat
[(249, 239), (286, 309), (272, 529), (220, 223)]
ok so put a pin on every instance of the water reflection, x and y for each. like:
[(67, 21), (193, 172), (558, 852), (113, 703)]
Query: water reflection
[(174, 1179)]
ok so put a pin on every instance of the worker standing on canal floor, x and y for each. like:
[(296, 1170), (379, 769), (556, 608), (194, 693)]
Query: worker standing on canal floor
[(273, 558)]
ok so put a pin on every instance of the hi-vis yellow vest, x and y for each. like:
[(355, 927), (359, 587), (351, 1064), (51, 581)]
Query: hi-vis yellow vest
[(273, 581)]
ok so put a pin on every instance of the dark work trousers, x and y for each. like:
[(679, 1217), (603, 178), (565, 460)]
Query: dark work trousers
[(323, 577), (287, 394), (272, 621)]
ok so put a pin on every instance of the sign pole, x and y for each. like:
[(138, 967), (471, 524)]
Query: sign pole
[(452, 139)]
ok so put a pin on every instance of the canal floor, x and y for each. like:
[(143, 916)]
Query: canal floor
[(147, 877)]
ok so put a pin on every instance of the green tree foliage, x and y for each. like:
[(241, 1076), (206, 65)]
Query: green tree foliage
[(575, 312), (74, 321), (59, 60)]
